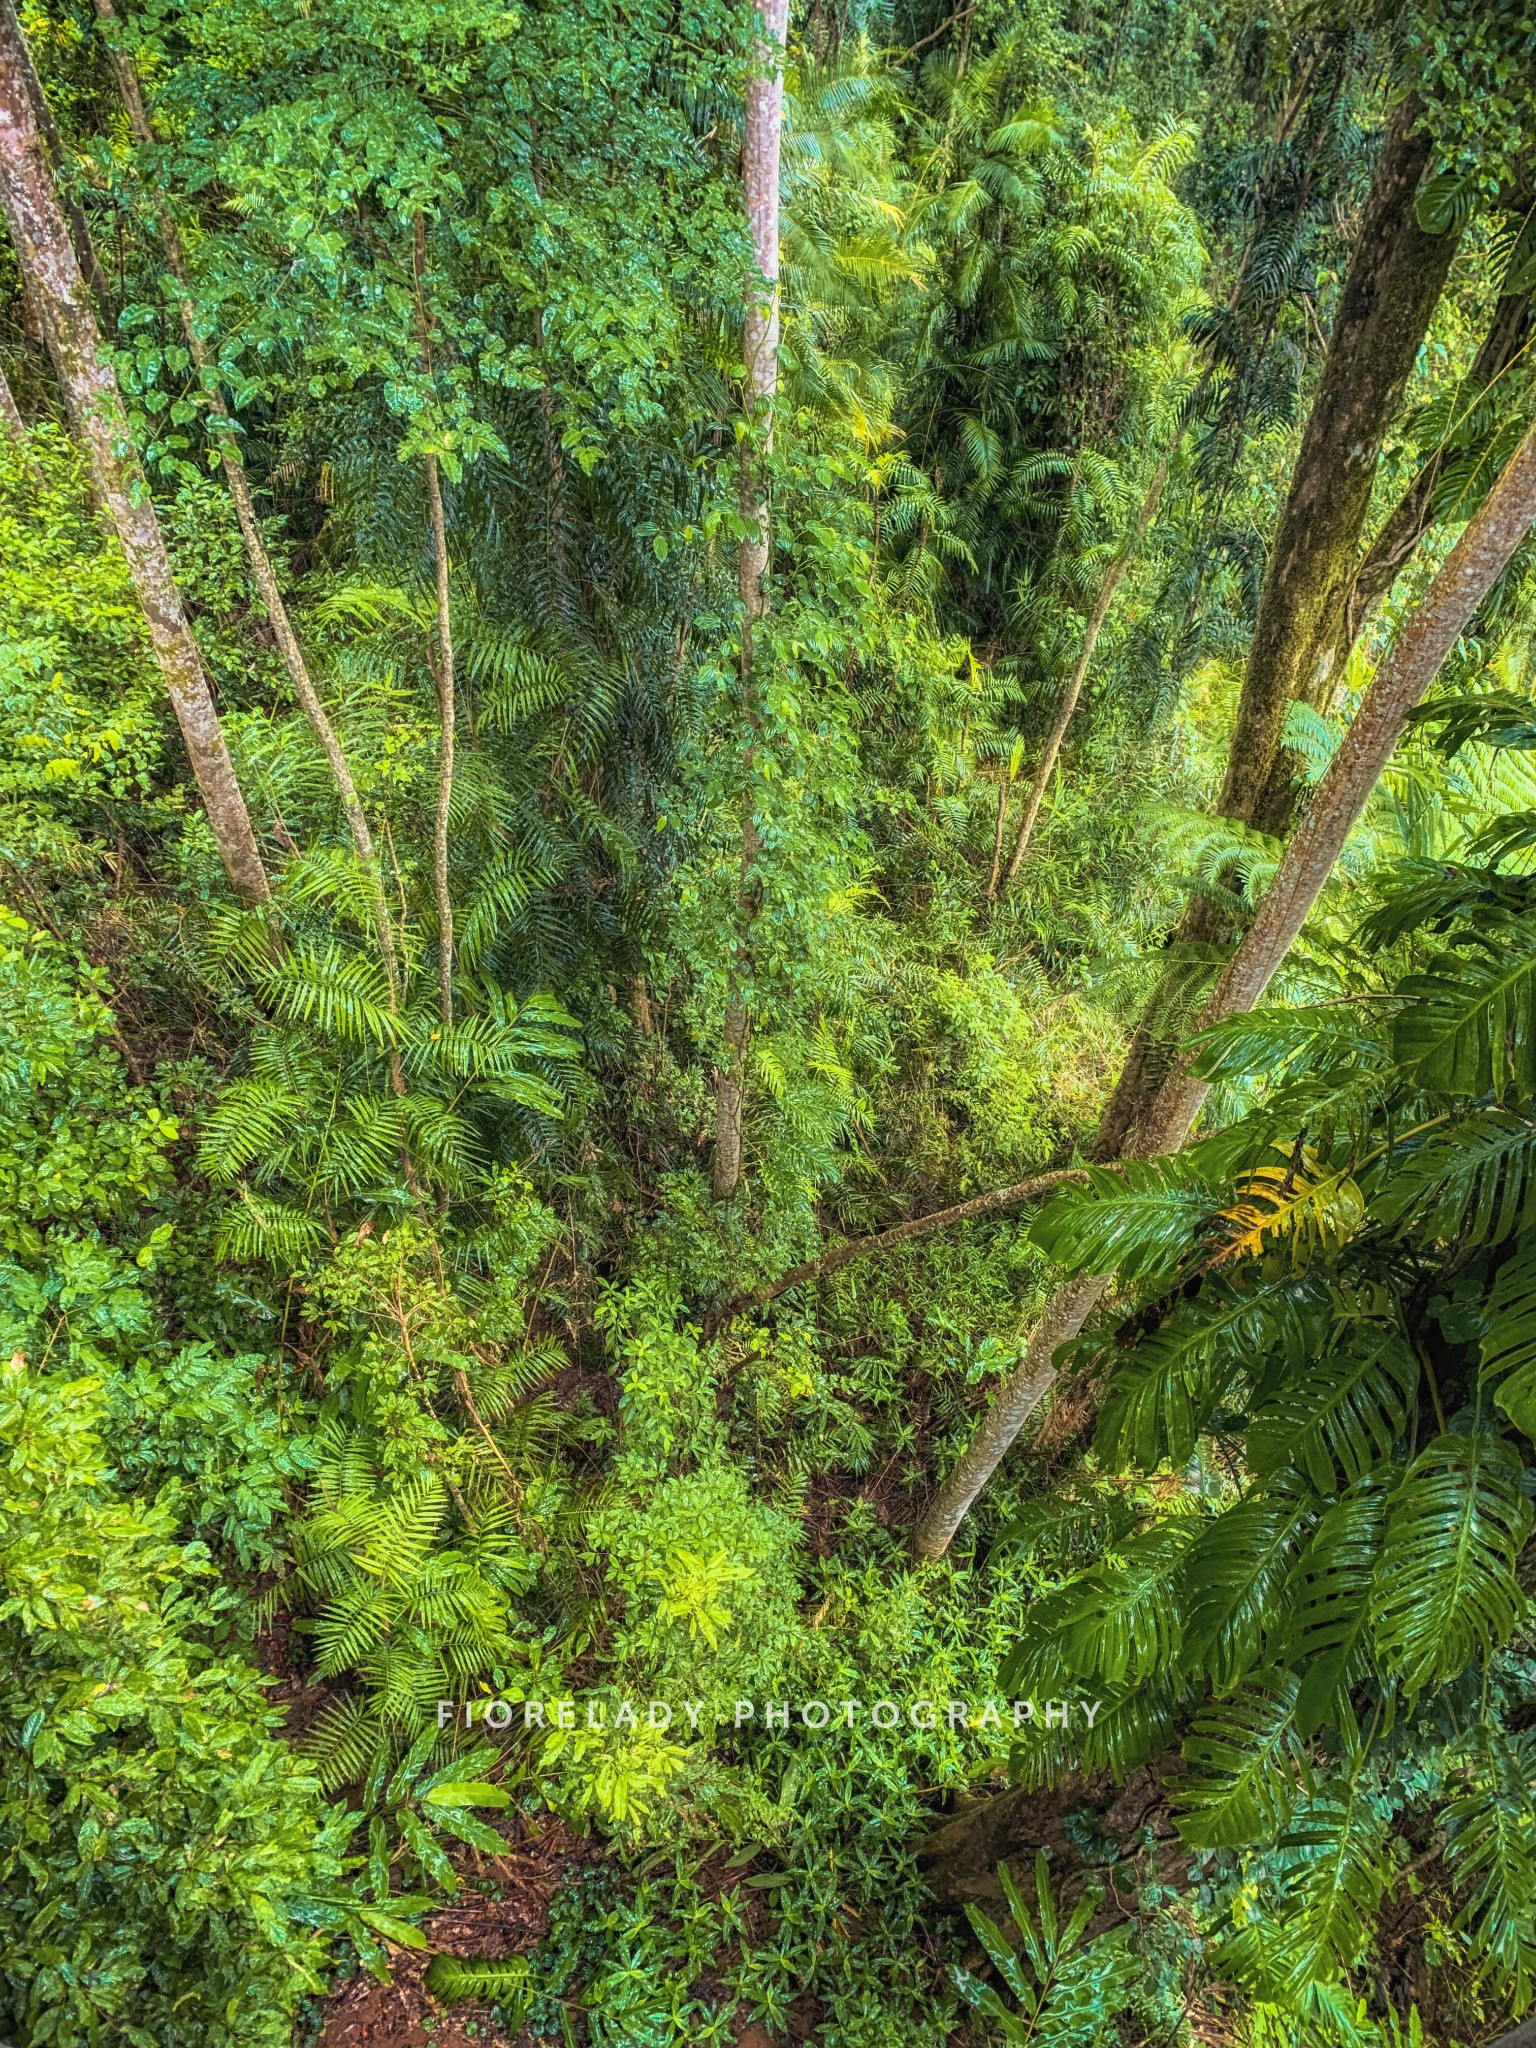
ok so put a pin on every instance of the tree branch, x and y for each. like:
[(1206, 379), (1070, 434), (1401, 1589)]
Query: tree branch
[(915, 1226)]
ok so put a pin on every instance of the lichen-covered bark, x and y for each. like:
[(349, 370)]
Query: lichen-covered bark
[(48, 261), (1412, 516), (760, 180), (1441, 617), (10, 412), (53, 141)]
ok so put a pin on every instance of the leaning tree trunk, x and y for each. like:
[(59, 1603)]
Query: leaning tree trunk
[(760, 178), (1469, 573), (263, 574), (1414, 513), (53, 142), (95, 404), (1396, 275), (1109, 583), (1395, 280)]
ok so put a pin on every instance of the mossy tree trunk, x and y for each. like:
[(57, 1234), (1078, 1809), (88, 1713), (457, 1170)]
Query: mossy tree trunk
[(1396, 275), (263, 572), (1468, 574)]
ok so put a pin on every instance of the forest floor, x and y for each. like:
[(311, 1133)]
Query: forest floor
[(500, 1910)]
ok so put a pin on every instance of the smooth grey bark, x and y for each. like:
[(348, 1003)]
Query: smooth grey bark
[(89, 385), (1468, 574), (761, 145)]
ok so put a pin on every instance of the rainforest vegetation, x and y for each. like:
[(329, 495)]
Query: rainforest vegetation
[(767, 1023)]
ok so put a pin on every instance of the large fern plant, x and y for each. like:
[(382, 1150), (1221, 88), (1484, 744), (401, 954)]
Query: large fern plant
[(1324, 1339)]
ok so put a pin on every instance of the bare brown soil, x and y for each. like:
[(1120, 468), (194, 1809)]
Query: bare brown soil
[(501, 1910)]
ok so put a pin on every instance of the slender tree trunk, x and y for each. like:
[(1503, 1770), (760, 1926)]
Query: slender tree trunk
[(443, 670), (79, 227), (10, 412), (1395, 279), (263, 573), (760, 178), (1469, 573), (1005, 783), (95, 404), (1108, 585), (445, 722), (990, 1204)]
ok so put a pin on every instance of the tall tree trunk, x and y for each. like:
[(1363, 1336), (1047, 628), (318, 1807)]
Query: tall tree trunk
[(263, 573), (1469, 573), (760, 179), (53, 142), (1396, 275), (1109, 583), (445, 726), (443, 668), (95, 404)]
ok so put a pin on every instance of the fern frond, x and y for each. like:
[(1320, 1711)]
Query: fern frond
[(1445, 1587), (1247, 1767)]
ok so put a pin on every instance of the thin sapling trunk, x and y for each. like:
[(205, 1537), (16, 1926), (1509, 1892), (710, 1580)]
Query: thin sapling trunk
[(442, 671), (1109, 583)]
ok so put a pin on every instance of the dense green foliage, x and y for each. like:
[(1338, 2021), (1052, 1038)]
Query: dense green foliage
[(375, 1345)]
